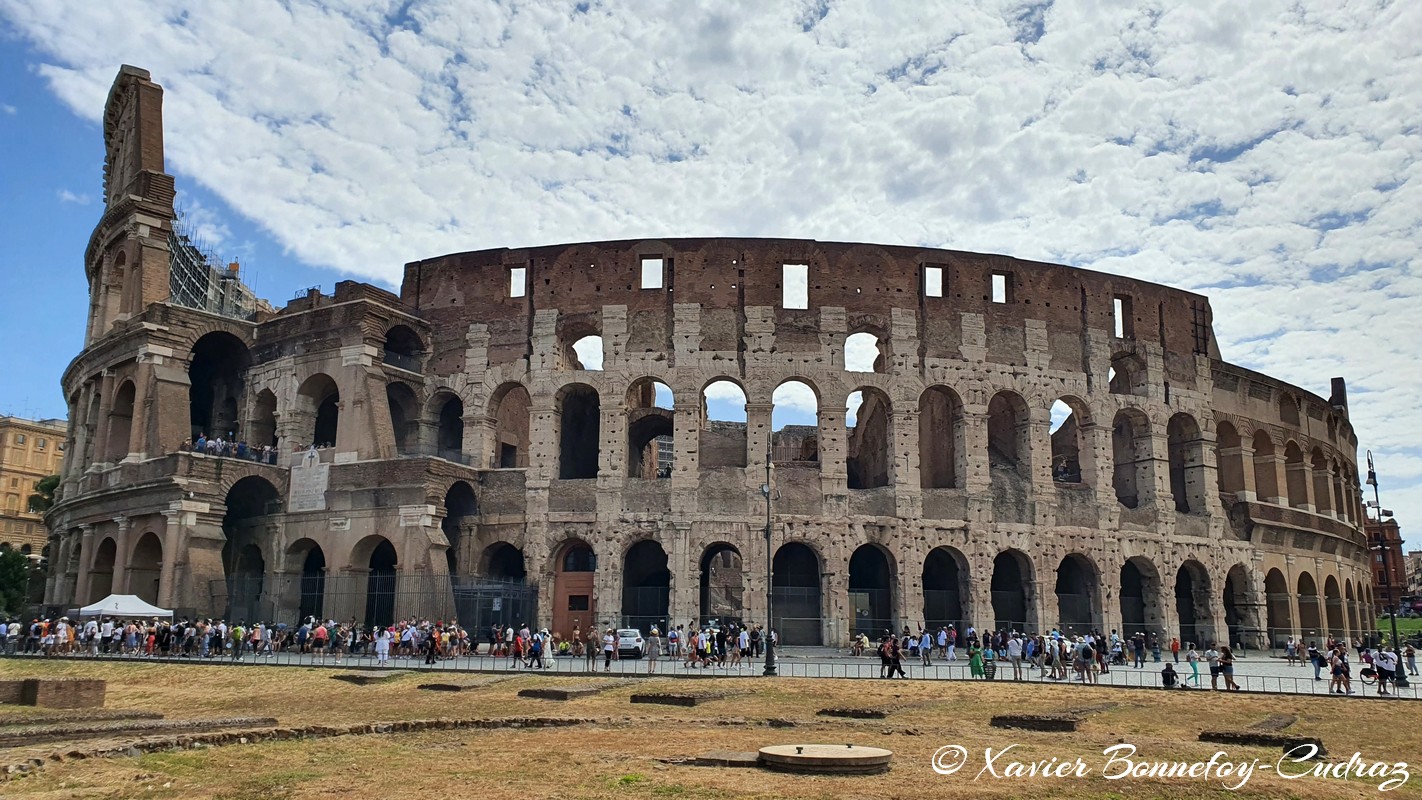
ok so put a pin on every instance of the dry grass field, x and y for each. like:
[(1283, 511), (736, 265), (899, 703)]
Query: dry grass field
[(625, 752)]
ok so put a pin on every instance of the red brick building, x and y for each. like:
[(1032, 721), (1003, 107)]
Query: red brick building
[(1389, 569)]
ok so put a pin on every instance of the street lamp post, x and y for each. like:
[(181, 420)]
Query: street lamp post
[(770, 670), (1381, 544)]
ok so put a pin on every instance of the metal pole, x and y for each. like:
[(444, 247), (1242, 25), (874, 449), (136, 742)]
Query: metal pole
[(1387, 570), (769, 570)]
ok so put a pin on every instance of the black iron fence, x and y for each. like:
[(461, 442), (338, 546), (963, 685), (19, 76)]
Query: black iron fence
[(375, 599)]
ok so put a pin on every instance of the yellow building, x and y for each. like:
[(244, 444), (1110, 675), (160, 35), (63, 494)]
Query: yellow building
[(29, 451)]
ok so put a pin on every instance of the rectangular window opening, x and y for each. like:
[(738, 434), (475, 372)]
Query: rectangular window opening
[(1122, 313), (579, 602), (653, 273), (795, 286), (518, 281), (1001, 287), (932, 281)]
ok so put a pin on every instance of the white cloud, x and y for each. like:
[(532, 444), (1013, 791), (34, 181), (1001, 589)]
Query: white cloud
[(8, 109), (794, 403), (1265, 153), (861, 350), (66, 196), (589, 350)]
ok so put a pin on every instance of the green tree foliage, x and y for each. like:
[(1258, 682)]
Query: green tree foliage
[(43, 497), (14, 581)]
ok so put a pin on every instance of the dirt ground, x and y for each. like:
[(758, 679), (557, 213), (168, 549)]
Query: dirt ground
[(630, 750)]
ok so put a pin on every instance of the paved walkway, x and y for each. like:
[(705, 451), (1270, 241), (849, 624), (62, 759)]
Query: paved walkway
[(1256, 674)]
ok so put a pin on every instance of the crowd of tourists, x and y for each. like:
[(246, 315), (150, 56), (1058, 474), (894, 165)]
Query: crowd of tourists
[(1381, 664), (230, 448)]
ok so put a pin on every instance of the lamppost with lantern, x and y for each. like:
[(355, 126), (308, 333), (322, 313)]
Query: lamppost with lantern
[(770, 670), (1381, 544)]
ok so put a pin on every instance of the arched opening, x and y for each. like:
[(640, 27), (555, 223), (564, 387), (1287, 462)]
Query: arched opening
[(940, 439), (1279, 616), (101, 577), (403, 348), (120, 422), (1322, 483), (1068, 421), (1192, 601), (586, 354), (262, 430), (870, 429), (723, 436), (504, 562), (248, 581), (573, 572), (579, 431), (1288, 409), (1333, 607), (795, 424), (216, 375), (1127, 375), (509, 408), (862, 353), (1297, 475), (651, 430), (321, 400), (461, 510), (795, 594), (249, 501), (404, 417), (145, 566), (722, 584), (1341, 497), (380, 585), (1354, 622), (945, 586), (450, 434), (1077, 606), (1130, 449), (1140, 597), (1241, 615), (1009, 455), (1230, 455), (646, 586), (871, 592), (1012, 583), (1186, 454), (311, 602), (1310, 617), (1266, 468)]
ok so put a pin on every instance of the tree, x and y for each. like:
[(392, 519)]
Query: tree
[(14, 581), (43, 497)]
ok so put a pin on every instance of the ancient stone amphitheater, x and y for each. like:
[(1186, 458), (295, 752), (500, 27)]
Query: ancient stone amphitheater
[(580, 433)]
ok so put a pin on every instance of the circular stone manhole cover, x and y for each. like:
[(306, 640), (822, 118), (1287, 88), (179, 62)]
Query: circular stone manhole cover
[(839, 759)]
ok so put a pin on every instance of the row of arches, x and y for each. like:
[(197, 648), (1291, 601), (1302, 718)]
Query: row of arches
[(1270, 471)]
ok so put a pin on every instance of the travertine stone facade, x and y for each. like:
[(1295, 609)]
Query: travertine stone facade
[(1182, 495)]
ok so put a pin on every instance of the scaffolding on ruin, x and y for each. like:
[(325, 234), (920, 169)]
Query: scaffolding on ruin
[(193, 281)]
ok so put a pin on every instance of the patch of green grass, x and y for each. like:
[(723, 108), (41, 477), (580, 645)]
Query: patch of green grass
[(631, 780), (1405, 627)]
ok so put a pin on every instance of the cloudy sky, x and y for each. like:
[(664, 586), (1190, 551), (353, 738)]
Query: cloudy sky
[(1266, 153)]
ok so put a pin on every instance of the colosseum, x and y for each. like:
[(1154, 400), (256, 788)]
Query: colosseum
[(1027, 445)]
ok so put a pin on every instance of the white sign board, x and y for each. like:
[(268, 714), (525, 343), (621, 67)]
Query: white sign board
[(309, 480)]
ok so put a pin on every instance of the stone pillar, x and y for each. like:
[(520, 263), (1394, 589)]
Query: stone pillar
[(120, 584), (757, 443), (1039, 462), (684, 599), (172, 540), (86, 564), (1274, 465), (904, 473), (106, 406), (834, 453), (975, 474), (1295, 620), (1303, 474), (1245, 454)]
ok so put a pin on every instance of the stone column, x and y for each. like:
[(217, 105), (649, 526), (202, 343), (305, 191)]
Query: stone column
[(757, 443), (975, 473), (904, 474), (834, 453), (172, 540), (106, 405), (1295, 620), (120, 584), (683, 602), (1305, 477), (86, 564)]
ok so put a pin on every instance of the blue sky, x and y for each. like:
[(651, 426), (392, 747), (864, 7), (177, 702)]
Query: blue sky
[(1267, 154)]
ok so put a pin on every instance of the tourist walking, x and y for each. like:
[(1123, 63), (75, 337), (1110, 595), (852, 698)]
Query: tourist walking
[(975, 659), (654, 649), (1227, 668), (1212, 658), (1194, 660), (609, 644)]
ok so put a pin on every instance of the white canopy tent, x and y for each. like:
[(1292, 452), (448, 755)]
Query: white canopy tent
[(123, 605)]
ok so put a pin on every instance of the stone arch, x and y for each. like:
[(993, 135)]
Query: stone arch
[(1279, 616), (1072, 460), (145, 566), (651, 429), (1310, 617), (1128, 375), (1131, 455), (1354, 620), (646, 586), (574, 564), (249, 501), (403, 348), (947, 589), (503, 561), (863, 352), (377, 556), (1322, 483), (579, 417), (870, 461), (319, 402), (871, 590), (101, 576), (509, 414), (722, 584), (248, 580), (1192, 602), (1186, 456), (1288, 409), (261, 430), (796, 590), (1009, 456), (1296, 475), (120, 422), (217, 374), (1140, 594), (1013, 592), (587, 353), (461, 510), (311, 585), (1266, 468), (1240, 609), (941, 445), (448, 412), (1333, 608), (723, 431), (1078, 591), (793, 437), (1230, 459), (404, 416)]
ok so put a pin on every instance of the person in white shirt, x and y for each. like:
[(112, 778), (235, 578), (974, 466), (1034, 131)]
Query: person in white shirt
[(1014, 655), (106, 634), (925, 648), (91, 636), (1212, 657), (1385, 662)]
